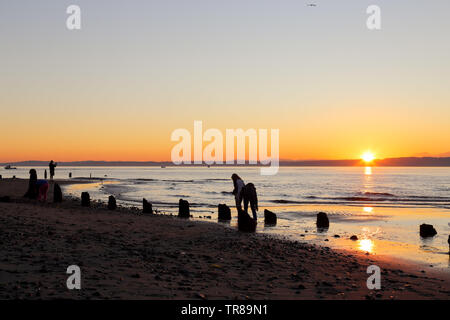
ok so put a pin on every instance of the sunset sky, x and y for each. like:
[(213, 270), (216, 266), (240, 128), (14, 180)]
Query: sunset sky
[(137, 70)]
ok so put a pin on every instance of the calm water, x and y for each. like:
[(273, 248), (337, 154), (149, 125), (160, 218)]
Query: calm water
[(382, 206)]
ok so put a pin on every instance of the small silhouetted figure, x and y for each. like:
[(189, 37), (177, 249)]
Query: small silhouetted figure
[(32, 191), (239, 185), (45, 174), (52, 165), (250, 196)]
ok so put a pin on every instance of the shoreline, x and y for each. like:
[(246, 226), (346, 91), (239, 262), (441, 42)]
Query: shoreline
[(346, 220), (126, 255)]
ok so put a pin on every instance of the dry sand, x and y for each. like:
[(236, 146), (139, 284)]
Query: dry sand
[(126, 255)]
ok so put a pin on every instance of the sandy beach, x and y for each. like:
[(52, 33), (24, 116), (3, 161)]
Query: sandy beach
[(126, 255)]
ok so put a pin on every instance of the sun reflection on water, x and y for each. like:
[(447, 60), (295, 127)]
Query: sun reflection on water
[(368, 171), (368, 209), (366, 245)]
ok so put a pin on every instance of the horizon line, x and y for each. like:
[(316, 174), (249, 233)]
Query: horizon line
[(394, 161), (158, 161)]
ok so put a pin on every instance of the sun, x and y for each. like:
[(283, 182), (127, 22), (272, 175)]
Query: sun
[(368, 156)]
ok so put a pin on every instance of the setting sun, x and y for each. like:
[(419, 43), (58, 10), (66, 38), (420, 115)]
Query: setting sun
[(368, 156)]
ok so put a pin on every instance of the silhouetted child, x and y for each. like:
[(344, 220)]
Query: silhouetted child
[(42, 187), (249, 195)]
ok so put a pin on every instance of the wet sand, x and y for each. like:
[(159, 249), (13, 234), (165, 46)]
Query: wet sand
[(126, 255)]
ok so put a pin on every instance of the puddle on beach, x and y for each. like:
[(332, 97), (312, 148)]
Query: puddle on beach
[(87, 186)]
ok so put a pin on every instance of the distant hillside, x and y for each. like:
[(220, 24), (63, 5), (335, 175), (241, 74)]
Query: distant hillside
[(389, 162), (37, 163), (416, 162)]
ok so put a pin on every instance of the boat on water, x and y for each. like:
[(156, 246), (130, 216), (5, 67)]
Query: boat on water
[(8, 167)]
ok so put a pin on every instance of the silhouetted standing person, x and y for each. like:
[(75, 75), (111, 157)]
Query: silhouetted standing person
[(45, 174), (52, 165)]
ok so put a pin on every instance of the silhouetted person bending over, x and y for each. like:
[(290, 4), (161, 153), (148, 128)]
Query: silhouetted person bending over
[(239, 185), (52, 165)]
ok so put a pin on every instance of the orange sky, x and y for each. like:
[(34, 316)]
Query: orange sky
[(389, 128)]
